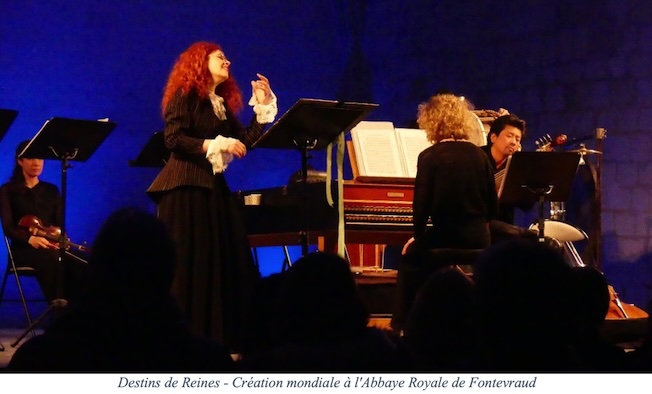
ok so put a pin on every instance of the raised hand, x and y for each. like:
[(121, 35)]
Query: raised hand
[(261, 89)]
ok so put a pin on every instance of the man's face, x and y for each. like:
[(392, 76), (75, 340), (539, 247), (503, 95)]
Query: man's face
[(507, 142)]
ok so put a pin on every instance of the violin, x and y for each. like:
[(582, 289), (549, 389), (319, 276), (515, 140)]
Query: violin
[(35, 227)]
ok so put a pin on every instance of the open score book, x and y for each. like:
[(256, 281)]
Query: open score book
[(382, 151)]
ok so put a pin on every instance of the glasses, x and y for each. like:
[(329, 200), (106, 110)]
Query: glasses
[(222, 57)]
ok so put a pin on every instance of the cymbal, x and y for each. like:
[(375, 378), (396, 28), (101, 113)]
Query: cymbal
[(585, 151)]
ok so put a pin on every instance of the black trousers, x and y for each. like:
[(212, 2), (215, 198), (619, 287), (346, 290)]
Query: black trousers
[(502, 231), (63, 279)]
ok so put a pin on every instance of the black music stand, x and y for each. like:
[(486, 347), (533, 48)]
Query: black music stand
[(7, 117), (153, 154), (64, 139), (312, 124), (532, 177)]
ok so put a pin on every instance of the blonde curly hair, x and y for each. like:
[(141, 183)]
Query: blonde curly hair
[(447, 116)]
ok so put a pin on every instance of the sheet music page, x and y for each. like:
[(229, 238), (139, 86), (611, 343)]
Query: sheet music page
[(376, 149), (411, 143)]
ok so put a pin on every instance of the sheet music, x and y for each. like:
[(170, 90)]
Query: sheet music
[(412, 142), (376, 149)]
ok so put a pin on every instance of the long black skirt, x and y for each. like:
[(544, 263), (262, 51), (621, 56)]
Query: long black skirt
[(216, 272)]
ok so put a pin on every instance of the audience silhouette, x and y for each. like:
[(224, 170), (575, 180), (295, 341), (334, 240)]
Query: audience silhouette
[(127, 319), (261, 313), (440, 330), (524, 308), (592, 304), (320, 323)]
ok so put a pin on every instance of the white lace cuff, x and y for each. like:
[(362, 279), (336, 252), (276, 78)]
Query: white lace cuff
[(265, 113), (217, 154)]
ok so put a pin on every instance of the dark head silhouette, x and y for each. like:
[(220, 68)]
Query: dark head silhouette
[(524, 293), (132, 253), (524, 281), (128, 320), (592, 292), (319, 301), (439, 332)]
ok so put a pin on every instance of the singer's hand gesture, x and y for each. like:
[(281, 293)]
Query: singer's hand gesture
[(262, 90)]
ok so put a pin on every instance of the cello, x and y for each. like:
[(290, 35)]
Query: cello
[(34, 226), (622, 310)]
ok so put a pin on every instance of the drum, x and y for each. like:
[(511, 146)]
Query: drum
[(562, 232), (484, 118), (565, 234), (479, 136)]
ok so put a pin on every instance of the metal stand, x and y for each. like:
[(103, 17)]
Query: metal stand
[(311, 124), (287, 262), (303, 234), (536, 177), (7, 117), (541, 193)]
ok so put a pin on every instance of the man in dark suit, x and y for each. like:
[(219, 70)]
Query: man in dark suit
[(503, 140)]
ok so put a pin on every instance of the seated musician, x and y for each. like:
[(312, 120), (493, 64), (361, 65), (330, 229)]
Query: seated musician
[(454, 188), (504, 138), (25, 194)]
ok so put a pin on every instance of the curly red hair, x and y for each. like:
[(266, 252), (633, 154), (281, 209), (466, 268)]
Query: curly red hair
[(190, 72)]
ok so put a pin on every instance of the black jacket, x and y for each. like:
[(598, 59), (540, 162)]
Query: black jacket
[(189, 120)]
